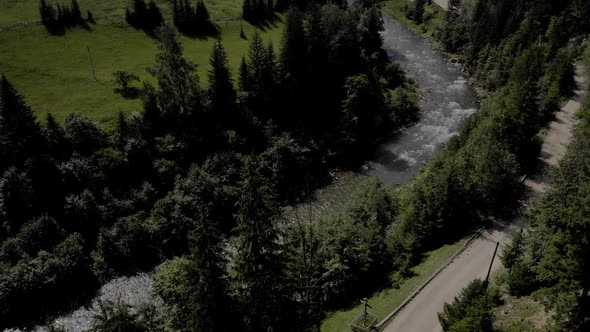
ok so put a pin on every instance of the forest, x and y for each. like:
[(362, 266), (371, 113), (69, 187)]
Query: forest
[(198, 177), (196, 181)]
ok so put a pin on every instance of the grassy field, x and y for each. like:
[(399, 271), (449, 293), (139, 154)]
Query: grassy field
[(387, 300), (54, 73), (436, 15)]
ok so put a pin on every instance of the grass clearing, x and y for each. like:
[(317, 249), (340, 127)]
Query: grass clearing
[(434, 16), (13, 12), (387, 300), (523, 313), (54, 73)]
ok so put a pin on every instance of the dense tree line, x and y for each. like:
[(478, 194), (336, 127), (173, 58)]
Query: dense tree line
[(192, 21), (147, 17), (477, 175), (258, 11), (198, 172), (551, 259), (492, 33), (62, 16)]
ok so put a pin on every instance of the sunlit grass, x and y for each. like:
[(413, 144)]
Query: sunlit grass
[(385, 301), (54, 72)]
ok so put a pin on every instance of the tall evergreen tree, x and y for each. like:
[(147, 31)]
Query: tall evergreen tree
[(221, 88), (259, 266), (244, 78), (177, 77), (20, 133), (58, 145), (293, 51)]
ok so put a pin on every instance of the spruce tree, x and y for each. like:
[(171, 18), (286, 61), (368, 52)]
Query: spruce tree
[(20, 133), (259, 278), (247, 11), (221, 89), (76, 13), (177, 78), (281, 6), (245, 77), (58, 145), (293, 51), (256, 62)]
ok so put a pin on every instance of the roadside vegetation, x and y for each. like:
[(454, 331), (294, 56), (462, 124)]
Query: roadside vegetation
[(546, 263), (197, 177)]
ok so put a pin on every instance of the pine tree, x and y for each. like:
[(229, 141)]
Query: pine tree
[(76, 13), (152, 114), (221, 89), (293, 51), (256, 61), (245, 77), (177, 78), (259, 266), (281, 5), (269, 71), (370, 26), (210, 306), (247, 12), (57, 143), (20, 133)]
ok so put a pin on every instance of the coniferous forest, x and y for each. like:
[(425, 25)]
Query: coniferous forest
[(195, 184), (200, 173)]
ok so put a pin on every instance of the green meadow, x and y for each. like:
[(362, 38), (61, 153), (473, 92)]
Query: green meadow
[(54, 72)]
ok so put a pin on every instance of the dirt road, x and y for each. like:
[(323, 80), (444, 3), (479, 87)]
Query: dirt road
[(444, 4), (420, 314)]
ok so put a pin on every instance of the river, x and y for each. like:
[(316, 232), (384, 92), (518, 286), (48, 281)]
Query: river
[(447, 101)]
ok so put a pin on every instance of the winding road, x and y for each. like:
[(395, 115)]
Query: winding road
[(420, 314)]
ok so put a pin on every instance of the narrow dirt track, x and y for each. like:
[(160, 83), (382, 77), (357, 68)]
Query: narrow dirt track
[(420, 315)]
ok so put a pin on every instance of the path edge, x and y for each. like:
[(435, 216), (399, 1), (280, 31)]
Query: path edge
[(394, 313)]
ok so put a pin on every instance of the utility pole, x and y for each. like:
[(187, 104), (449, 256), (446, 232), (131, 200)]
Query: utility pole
[(91, 63), (491, 263)]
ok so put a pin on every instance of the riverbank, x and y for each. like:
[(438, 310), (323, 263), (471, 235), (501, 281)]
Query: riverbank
[(421, 313)]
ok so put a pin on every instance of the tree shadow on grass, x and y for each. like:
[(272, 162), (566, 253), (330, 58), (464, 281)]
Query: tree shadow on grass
[(129, 93), (270, 22), (205, 31)]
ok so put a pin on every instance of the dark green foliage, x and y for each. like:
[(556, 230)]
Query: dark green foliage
[(513, 251), (417, 13), (16, 200), (20, 133), (494, 33), (117, 317), (56, 20), (167, 181), (192, 21), (259, 12), (471, 311), (123, 79), (84, 135), (554, 258), (222, 94), (259, 279), (145, 17), (27, 287), (195, 288)]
